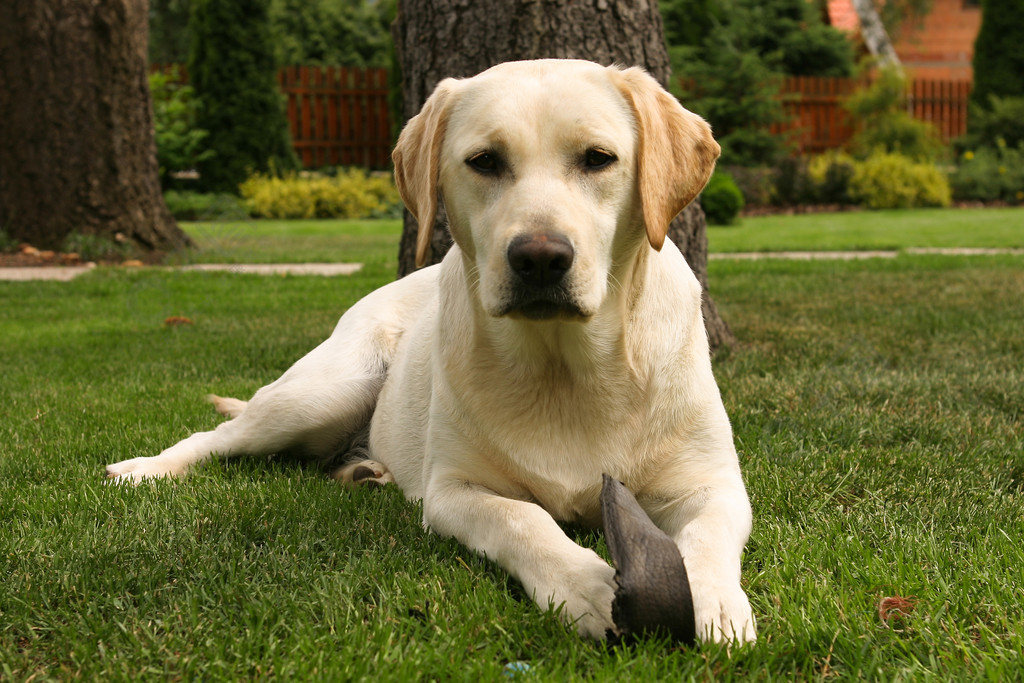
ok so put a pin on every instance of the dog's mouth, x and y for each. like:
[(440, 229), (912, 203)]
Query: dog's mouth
[(543, 305)]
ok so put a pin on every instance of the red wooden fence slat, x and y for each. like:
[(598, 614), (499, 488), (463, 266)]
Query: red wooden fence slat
[(332, 115), (339, 116)]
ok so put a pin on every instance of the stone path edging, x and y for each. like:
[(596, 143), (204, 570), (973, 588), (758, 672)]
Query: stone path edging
[(65, 273), (855, 255)]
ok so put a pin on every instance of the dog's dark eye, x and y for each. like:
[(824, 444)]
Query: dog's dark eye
[(484, 162), (596, 159)]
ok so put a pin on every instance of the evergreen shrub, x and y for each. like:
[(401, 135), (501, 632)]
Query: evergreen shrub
[(1000, 123), (755, 183), (722, 200), (998, 55), (234, 74)]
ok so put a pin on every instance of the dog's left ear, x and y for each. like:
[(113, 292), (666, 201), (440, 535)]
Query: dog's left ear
[(675, 153), (416, 158)]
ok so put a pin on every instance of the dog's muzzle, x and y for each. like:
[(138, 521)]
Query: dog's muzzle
[(540, 264)]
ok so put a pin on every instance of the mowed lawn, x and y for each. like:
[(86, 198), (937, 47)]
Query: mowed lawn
[(878, 408), (874, 230)]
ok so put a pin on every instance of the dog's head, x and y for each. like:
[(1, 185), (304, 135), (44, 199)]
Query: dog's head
[(552, 173)]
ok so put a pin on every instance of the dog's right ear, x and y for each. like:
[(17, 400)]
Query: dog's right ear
[(416, 158)]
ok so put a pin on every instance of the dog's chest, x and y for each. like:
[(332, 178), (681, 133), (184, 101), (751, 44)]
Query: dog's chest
[(554, 438)]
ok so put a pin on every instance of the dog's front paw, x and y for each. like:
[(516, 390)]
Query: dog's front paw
[(722, 614), (583, 594), (136, 470)]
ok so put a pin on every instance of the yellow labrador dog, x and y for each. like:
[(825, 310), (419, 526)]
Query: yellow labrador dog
[(561, 338)]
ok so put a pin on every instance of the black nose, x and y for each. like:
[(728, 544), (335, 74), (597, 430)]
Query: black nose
[(540, 260)]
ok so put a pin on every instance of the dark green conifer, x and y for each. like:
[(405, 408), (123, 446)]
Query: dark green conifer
[(232, 69)]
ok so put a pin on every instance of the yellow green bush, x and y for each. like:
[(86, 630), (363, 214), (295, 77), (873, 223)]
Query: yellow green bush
[(893, 181), (351, 193)]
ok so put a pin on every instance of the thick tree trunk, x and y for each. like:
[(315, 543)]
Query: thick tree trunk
[(77, 152), (436, 39)]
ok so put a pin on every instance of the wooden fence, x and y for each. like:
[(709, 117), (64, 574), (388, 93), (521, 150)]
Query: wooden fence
[(817, 120), (338, 116)]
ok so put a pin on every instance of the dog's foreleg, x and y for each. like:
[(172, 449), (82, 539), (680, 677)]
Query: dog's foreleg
[(710, 525), (527, 542)]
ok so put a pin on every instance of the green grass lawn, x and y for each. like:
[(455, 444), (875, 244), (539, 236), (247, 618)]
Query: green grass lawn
[(299, 241), (870, 230), (879, 413), (268, 241)]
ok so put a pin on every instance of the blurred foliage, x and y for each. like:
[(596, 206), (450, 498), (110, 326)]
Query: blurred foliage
[(231, 66), (831, 173), (999, 52), (721, 200), (731, 56), (179, 140), (990, 174), (893, 181), (348, 193), (883, 122), (351, 33), (1002, 119), (195, 206), (990, 157), (312, 32)]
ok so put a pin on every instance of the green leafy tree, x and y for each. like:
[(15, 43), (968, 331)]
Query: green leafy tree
[(787, 35), (232, 69), (1000, 124), (735, 91), (998, 53), (331, 32), (991, 156), (179, 142), (326, 32), (883, 123), (168, 31), (731, 56)]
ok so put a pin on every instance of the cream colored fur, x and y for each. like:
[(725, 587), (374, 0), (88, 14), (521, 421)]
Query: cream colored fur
[(501, 420)]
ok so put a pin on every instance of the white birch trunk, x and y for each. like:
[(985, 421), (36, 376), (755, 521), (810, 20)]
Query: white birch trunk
[(875, 36)]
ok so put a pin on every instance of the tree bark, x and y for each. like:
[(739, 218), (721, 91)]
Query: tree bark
[(77, 152), (436, 39), (875, 36)]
